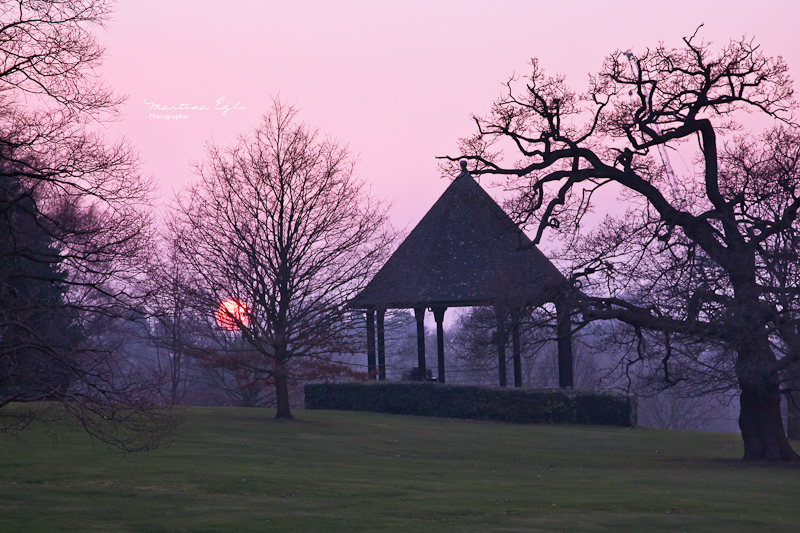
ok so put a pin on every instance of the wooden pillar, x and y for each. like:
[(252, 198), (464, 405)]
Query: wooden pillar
[(438, 315), (517, 352), (371, 344), (501, 346), (381, 346), (564, 332), (419, 314)]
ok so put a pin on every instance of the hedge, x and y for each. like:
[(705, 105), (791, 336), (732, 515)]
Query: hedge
[(478, 403)]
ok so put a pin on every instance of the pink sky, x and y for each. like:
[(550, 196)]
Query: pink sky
[(397, 81)]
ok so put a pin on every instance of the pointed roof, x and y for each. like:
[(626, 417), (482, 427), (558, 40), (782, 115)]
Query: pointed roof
[(466, 251)]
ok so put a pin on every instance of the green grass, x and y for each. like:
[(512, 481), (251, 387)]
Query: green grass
[(238, 470)]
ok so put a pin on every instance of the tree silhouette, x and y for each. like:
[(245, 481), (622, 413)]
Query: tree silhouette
[(278, 222), (704, 268), (76, 228)]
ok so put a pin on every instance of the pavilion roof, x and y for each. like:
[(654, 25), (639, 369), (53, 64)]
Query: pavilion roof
[(466, 251)]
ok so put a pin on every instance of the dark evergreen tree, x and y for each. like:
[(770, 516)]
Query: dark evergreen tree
[(37, 328)]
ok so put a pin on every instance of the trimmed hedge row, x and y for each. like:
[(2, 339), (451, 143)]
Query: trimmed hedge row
[(477, 403)]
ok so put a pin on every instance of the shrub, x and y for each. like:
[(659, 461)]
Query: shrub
[(479, 403)]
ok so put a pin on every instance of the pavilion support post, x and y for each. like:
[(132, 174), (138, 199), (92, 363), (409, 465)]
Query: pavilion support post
[(419, 314), (381, 346), (438, 315), (517, 352), (564, 333), (501, 346), (371, 344)]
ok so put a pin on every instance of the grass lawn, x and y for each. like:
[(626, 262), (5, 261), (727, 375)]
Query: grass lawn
[(232, 469)]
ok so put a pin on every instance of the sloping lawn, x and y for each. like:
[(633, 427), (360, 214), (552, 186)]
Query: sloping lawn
[(234, 469)]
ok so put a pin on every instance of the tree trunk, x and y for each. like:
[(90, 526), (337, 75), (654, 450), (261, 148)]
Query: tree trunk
[(760, 401), (282, 391), (793, 421), (762, 426)]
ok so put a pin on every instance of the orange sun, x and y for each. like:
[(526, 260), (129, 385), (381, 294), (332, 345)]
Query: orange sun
[(230, 312)]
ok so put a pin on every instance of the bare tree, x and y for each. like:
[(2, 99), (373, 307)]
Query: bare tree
[(177, 327), (76, 212), (278, 222), (670, 409), (474, 337), (704, 268)]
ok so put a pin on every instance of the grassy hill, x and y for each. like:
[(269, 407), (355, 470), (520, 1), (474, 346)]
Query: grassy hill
[(232, 469)]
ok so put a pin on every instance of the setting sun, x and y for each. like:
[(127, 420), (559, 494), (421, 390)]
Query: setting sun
[(230, 312)]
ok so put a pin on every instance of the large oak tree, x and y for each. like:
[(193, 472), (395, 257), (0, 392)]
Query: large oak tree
[(702, 267)]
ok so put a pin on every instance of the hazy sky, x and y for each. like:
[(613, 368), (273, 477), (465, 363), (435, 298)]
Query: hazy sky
[(397, 81)]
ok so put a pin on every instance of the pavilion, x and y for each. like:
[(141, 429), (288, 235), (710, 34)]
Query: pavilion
[(466, 251)]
